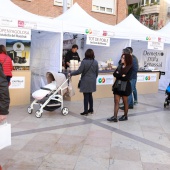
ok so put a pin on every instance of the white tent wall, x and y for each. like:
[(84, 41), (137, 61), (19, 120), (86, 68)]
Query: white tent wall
[(138, 49), (45, 52), (3, 41), (113, 52)]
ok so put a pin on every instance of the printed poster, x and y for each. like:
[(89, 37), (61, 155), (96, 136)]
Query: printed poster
[(19, 51)]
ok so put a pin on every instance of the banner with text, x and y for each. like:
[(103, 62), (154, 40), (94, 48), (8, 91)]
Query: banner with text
[(105, 80), (8, 22), (15, 33), (146, 77), (153, 58), (99, 41), (17, 83), (155, 45)]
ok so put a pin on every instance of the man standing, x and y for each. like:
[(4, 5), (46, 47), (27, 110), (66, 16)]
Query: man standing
[(133, 81), (71, 55)]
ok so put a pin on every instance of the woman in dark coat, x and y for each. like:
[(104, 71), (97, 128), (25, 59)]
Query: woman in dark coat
[(4, 95), (89, 72), (122, 86)]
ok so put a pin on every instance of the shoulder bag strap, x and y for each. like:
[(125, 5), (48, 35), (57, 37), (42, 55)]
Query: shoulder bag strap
[(87, 70)]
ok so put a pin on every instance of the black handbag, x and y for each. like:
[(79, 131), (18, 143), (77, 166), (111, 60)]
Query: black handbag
[(119, 85), (84, 75)]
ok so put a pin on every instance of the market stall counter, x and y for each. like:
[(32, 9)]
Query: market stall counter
[(20, 87), (147, 83)]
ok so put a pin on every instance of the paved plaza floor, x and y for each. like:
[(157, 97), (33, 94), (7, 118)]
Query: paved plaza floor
[(75, 142)]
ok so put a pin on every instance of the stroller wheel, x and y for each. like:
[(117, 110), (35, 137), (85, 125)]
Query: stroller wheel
[(29, 110), (38, 113), (64, 111)]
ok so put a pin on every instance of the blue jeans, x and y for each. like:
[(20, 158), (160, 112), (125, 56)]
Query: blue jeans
[(134, 93)]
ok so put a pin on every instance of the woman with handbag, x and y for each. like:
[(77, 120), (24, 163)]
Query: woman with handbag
[(89, 72), (122, 86)]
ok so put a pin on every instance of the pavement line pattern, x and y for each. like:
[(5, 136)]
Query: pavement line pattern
[(97, 122)]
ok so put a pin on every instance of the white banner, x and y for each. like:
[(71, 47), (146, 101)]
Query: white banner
[(152, 58), (15, 33), (17, 83), (155, 45), (8, 22), (105, 79), (146, 77), (99, 41)]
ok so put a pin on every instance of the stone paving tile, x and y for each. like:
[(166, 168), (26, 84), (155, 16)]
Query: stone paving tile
[(75, 142)]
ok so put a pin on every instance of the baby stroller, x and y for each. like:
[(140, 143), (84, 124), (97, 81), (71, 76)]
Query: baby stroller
[(50, 97), (167, 100)]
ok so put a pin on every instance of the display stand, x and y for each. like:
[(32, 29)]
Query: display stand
[(21, 96)]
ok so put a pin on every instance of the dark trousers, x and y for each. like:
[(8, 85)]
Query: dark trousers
[(88, 99), (8, 78)]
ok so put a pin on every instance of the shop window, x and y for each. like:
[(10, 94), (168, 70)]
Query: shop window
[(103, 6), (60, 3)]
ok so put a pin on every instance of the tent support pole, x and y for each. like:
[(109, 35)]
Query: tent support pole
[(130, 43)]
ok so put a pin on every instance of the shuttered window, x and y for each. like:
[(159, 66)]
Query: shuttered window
[(103, 6)]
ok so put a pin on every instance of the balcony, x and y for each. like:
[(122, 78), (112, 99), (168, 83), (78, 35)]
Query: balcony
[(150, 9)]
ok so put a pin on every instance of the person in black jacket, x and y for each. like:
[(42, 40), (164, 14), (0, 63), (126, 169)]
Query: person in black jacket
[(122, 86), (71, 55), (4, 95)]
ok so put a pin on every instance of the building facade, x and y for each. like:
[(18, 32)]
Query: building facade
[(107, 11), (154, 14)]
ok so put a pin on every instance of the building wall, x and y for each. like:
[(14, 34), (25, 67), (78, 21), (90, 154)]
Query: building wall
[(46, 8)]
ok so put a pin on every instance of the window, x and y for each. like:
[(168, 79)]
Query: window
[(104, 6), (60, 3), (148, 2)]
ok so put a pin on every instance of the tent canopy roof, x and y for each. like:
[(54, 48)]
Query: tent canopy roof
[(76, 20), (132, 28), (10, 11)]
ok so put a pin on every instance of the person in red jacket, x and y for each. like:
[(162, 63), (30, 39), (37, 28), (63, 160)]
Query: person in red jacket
[(6, 62)]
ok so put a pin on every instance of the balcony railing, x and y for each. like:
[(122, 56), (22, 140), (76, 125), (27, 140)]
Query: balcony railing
[(150, 9)]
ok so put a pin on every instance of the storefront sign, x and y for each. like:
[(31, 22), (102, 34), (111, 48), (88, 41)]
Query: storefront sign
[(105, 80), (15, 33), (17, 83), (146, 77), (99, 41), (155, 45)]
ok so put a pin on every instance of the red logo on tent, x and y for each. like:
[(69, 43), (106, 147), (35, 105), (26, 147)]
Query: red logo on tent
[(20, 23), (104, 33), (159, 39)]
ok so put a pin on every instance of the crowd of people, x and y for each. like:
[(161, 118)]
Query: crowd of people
[(123, 88)]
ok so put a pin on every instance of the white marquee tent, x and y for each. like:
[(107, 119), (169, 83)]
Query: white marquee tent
[(45, 39), (129, 32), (76, 20), (165, 79)]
